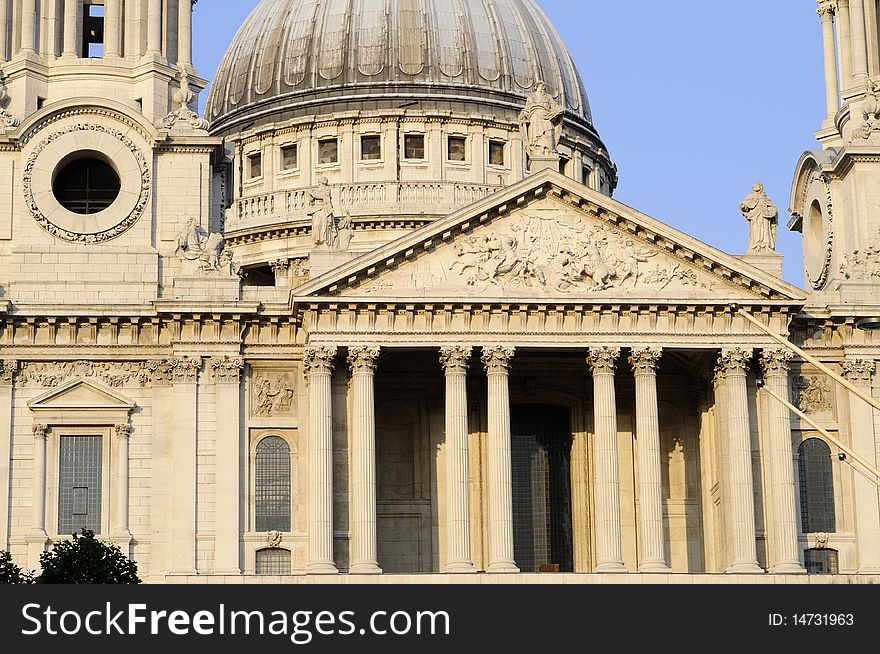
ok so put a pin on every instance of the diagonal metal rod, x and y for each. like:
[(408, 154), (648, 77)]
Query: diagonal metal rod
[(809, 358), (833, 439)]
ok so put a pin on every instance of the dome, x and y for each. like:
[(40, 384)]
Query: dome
[(299, 57)]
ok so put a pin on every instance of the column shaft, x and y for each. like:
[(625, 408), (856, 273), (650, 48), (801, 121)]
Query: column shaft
[(119, 508), (859, 40), (184, 471), (72, 36), (458, 524), (844, 39), (363, 460), (230, 458), (319, 368), (184, 33), (4, 29), (832, 92), (743, 552), (161, 495), (609, 551), (651, 537), (497, 362), (7, 372), (29, 26), (37, 538), (783, 527), (154, 27), (112, 28)]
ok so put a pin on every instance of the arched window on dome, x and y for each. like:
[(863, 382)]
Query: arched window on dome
[(272, 485), (816, 486)]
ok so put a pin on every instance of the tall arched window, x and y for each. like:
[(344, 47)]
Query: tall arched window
[(817, 487), (272, 487)]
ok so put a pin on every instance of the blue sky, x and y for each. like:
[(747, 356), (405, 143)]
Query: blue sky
[(695, 99)]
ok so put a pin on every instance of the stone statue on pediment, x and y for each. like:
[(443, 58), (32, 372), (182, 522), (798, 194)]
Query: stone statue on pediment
[(763, 218)]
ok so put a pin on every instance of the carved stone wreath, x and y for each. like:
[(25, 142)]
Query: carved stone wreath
[(129, 217)]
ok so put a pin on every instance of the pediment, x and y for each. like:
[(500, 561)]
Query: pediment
[(550, 239), (81, 395)]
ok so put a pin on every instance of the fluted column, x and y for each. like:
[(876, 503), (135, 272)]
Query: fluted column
[(363, 460), (72, 9), (609, 551), (733, 366), (496, 359), (112, 28), (8, 369), (184, 374), (119, 512), (844, 43), (859, 40), (318, 365), (154, 28), (832, 92), (783, 528), (37, 537), (4, 29), (28, 26), (184, 33), (865, 497), (230, 457), (652, 557), (458, 524)]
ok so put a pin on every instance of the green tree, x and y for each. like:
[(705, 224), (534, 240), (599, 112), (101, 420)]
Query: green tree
[(86, 560), (11, 573)]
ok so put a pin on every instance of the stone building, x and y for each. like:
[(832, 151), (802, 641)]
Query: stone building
[(377, 312)]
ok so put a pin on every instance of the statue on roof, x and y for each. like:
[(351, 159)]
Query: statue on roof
[(763, 217), (541, 123)]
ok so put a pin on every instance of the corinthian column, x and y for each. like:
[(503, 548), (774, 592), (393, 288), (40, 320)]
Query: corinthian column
[(861, 428), (644, 364), (844, 40), (363, 461), (8, 368), (609, 556), (120, 533), (318, 365), (230, 460), (784, 557), (458, 524), (832, 93), (859, 40), (496, 359), (733, 366), (37, 537)]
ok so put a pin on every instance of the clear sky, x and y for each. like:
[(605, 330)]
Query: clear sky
[(695, 99)]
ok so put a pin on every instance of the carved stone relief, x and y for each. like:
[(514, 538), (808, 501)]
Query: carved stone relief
[(114, 375), (863, 265), (812, 394), (273, 394)]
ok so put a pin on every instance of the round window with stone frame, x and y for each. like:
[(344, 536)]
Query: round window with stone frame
[(70, 183)]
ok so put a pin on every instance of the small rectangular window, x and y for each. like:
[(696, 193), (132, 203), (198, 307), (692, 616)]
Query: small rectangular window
[(328, 151), (588, 176), (255, 165), (496, 153), (93, 31), (414, 146), (79, 484), (371, 148), (457, 148), (289, 157)]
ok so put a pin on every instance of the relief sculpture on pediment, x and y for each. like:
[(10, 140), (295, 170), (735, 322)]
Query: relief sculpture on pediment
[(554, 252)]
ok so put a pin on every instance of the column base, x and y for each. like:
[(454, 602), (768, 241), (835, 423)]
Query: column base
[(322, 568), (654, 567), (744, 569), (503, 567), (37, 541), (611, 567), (368, 568), (788, 568), (459, 568), (227, 572)]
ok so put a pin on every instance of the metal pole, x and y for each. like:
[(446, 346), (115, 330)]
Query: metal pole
[(836, 441), (806, 357)]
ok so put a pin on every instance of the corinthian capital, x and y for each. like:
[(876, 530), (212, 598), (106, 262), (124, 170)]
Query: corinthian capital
[(454, 358), (859, 370), (40, 430), (776, 362), (603, 360), (826, 9), (319, 359), (8, 368), (228, 369), (645, 360), (734, 361), (122, 430), (497, 358), (363, 358)]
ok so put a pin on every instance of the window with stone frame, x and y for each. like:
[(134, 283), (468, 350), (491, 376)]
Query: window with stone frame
[(371, 147), (414, 146), (816, 479), (496, 153), (328, 151), (272, 489), (457, 148), (273, 561), (80, 468), (255, 165), (289, 157), (821, 561)]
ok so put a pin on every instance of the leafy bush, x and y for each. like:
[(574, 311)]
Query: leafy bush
[(86, 560), (11, 573)]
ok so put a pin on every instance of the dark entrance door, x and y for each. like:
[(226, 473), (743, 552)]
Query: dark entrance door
[(541, 459)]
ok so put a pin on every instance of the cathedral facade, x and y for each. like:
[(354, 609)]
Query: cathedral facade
[(377, 312)]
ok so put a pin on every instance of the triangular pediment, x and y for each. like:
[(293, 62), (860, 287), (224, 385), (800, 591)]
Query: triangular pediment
[(79, 394), (549, 238)]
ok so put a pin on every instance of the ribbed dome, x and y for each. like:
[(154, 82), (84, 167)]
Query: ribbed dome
[(300, 53)]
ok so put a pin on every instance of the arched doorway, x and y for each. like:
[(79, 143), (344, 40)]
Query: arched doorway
[(541, 465)]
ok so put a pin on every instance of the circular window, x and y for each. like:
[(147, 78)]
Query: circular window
[(86, 185)]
